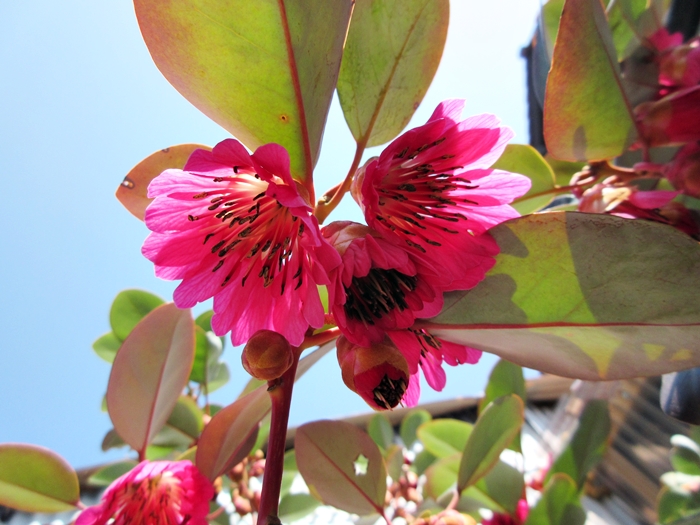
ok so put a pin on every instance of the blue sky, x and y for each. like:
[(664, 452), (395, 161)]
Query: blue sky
[(81, 102)]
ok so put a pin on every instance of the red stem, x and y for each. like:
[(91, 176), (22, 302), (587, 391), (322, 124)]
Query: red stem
[(280, 391)]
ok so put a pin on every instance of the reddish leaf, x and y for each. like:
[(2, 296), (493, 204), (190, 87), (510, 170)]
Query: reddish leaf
[(230, 435), (133, 189), (586, 113), (330, 455), (150, 371), (265, 70)]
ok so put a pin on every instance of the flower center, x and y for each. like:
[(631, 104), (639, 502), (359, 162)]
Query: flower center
[(153, 500), (371, 297), (419, 202), (250, 232), (388, 392)]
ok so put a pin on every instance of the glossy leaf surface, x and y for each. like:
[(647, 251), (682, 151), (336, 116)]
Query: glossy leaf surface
[(107, 474), (506, 378), (585, 296), (128, 308), (264, 70), (444, 437), (106, 346), (148, 375), (133, 190), (327, 453), (381, 431), (559, 504), (496, 427), (391, 55), (499, 490), (526, 160), (231, 433), (35, 479), (293, 507), (586, 113), (410, 424), (587, 446)]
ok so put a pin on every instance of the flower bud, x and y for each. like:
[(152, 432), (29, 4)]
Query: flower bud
[(267, 355), (379, 374)]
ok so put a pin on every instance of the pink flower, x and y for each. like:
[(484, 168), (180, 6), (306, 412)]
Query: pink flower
[(425, 352), (662, 40), (378, 373), (684, 170), (680, 67), (379, 286), (431, 192), (521, 513), (236, 227), (162, 492), (675, 119)]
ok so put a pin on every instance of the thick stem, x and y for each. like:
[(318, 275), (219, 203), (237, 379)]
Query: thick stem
[(280, 391)]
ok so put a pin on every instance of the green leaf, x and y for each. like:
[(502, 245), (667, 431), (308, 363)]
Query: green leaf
[(231, 434), (586, 113), (559, 504), (208, 370), (423, 460), (392, 52), (293, 507), (394, 461), (444, 437), (675, 507), (410, 424), (551, 15), (149, 373), (499, 490), (588, 445), (265, 71), (381, 431), (112, 440), (496, 427), (128, 308), (585, 296), (330, 456), (187, 417), (526, 160), (106, 346), (503, 485), (685, 455), (107, 474), (441, 476), (132, 192), (506, 378), (563, 170), (289, 473), (623, 18), (35, 479)]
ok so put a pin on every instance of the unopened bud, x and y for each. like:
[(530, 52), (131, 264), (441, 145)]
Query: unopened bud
[(379, 374), (267, 355)]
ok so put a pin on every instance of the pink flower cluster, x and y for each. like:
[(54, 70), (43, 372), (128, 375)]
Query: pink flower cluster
[(236, 227), (162, 492), (672, 118)]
